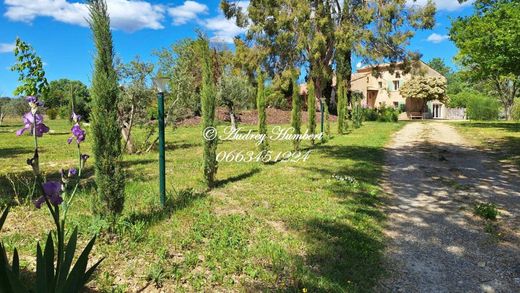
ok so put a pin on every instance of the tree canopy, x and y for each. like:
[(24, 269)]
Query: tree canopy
[(488, 46), (426, 88)]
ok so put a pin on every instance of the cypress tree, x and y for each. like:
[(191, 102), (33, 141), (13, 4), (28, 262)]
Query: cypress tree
[(208, 105), (341, 105), (327, 121), (260, 105), (311, 109), (296, 115), (106, 134)]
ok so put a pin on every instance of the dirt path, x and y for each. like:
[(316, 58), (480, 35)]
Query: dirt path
[(436, 244)]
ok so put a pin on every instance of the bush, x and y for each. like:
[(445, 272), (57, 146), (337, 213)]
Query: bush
[(383, 114), (388, 114), (515, 110), (52, 113), (486, 210), (482, 108), (370, 114)]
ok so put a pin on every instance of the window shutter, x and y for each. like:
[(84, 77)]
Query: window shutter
[(390, 85)]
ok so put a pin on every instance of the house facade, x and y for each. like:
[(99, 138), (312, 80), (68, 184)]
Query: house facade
[(382, 89)]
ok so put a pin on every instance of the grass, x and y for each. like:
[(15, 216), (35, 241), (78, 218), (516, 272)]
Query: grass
[(503, 138), (284, 226)]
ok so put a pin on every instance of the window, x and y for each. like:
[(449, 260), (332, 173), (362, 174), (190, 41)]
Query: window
[(397, 75), (368, 79), (396, 85), (380, 84), (396, 104)]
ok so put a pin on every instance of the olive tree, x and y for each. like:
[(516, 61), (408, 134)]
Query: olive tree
[(234, 92)]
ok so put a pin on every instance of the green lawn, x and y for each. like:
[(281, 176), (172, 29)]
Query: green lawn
[(503, 138), (280, 226)]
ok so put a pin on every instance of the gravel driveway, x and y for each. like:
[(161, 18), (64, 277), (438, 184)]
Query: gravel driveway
[(436, 244)]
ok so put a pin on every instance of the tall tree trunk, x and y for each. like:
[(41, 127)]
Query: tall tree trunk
[(232, 119), (348, 76)]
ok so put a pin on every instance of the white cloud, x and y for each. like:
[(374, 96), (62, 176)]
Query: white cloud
[(125, 15), (223, 29), (187, 12), (6, 47), (448, 5), (436, 38), (359, 65)]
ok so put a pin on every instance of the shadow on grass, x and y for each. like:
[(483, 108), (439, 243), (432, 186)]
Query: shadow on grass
[(178, 201), (7, 152), (236, 178), (346, 258), (509, 126)]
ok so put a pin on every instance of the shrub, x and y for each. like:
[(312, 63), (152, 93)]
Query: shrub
[(486, 210), (370, 114), (52, 113), (482, 108), (386, 114)]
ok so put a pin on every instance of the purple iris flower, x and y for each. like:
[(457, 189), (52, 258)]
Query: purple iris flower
[(75, 117), (78, 133), (51, 191), (33, 100), (28, 120), (73, 172)]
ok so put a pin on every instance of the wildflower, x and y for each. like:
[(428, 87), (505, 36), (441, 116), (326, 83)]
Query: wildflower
[(33, 122), (51, 191), (77, 133)]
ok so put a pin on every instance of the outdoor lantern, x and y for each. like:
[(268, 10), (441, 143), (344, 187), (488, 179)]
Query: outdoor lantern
[(161, 83)]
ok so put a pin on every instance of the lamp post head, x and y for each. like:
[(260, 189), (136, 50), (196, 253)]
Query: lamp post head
[(161, 83)]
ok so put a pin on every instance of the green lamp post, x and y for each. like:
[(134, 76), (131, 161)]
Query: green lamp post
[(161, 83)]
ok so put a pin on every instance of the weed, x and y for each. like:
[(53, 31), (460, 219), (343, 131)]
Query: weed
[(486, 210)]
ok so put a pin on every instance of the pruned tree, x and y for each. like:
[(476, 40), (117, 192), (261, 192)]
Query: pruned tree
[(106, 134), (235, 93), (136, 97), (4, 108)]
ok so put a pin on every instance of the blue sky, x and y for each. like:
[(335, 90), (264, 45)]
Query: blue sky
[(58, 31)]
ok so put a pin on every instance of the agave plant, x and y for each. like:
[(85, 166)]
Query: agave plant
[(55, 271)]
